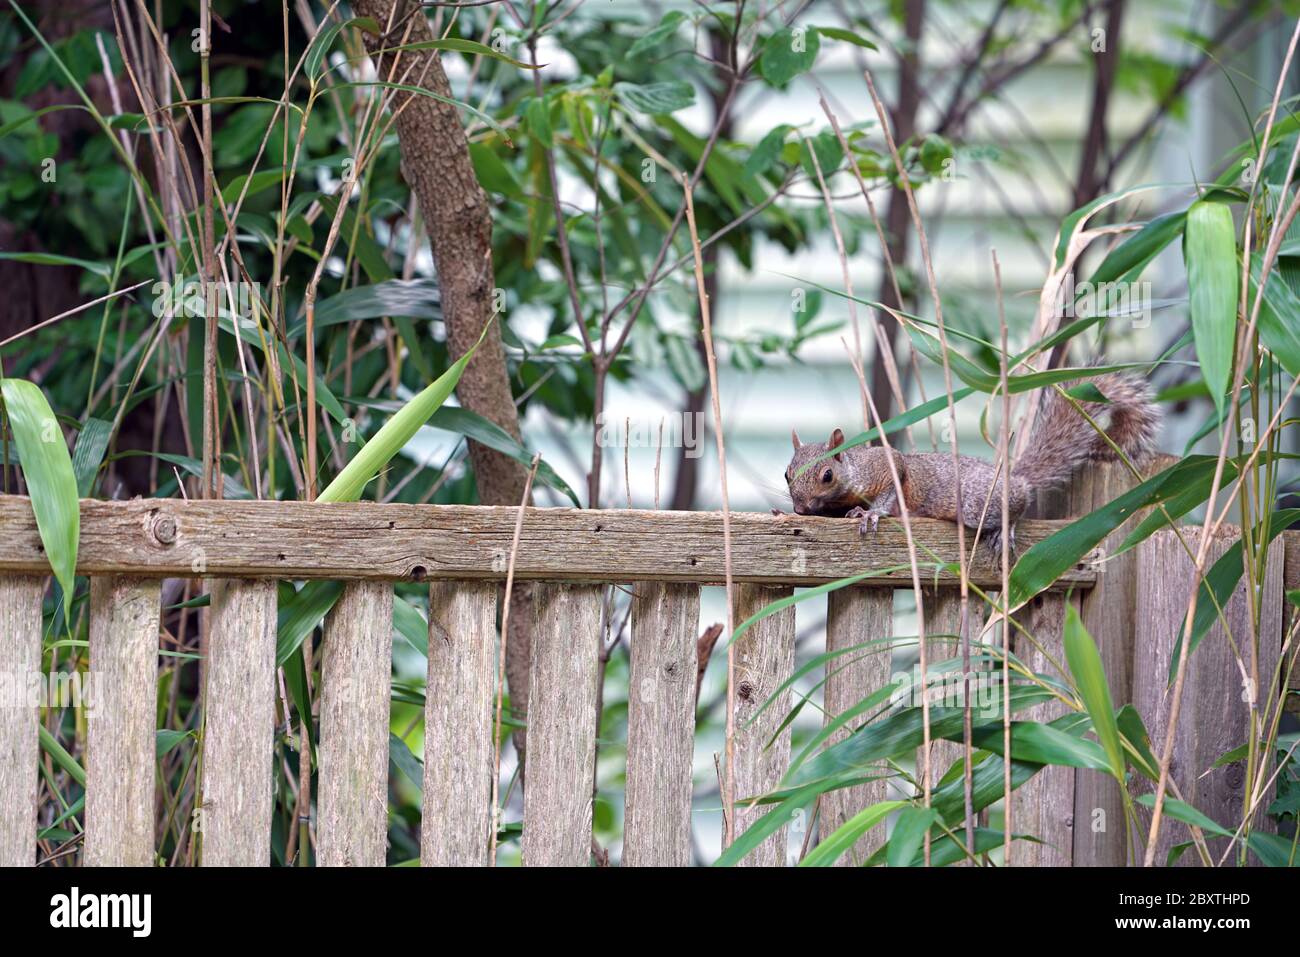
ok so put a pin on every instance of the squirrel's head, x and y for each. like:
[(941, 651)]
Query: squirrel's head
[(823, 487)]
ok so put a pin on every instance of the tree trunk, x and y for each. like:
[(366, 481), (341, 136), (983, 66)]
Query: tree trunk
[(436, 162), (897, 217)]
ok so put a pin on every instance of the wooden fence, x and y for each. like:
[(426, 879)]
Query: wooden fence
[(1132, 607)]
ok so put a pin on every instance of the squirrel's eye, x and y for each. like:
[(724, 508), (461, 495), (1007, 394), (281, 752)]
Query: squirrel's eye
[(827, 475), (788, 476)]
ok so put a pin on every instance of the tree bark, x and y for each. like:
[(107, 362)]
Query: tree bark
[(897, 218), (436, 162)]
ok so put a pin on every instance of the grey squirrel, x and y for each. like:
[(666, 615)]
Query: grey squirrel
[(856, 483)]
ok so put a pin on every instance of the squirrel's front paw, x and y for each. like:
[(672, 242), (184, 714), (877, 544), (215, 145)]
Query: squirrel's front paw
[(870, 518)]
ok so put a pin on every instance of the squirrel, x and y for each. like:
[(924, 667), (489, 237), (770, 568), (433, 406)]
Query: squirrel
[(857, 483)]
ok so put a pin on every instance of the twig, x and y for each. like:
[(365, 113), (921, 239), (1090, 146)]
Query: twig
[(501, 660)]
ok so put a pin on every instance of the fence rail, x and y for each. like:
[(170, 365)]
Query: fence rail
[(244, 547)]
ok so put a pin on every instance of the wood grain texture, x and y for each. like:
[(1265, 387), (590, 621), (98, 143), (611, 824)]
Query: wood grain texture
[(562, 725), (239, 725), (459, 710), (1108, 615), (661, 725), (943, 617), (20, 669), (356, 680), (1214, 714), (366, 540), (121, 723), (1290, 582), (854, 616), (1044, 805), (764, 658)]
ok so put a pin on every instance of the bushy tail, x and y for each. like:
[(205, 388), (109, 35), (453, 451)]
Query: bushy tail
[(1063, 440)]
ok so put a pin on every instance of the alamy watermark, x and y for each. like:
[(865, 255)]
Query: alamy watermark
[(56, 689), (1114, 299), (194, 298), (674, 430)]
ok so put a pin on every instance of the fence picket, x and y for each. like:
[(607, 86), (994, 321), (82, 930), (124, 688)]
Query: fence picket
[(459, 710), (239, 724), (661, 725), (352, 806), (20, 659), (120, 725), (1214, 715), (764, 658), (561, 741), (854, 616)]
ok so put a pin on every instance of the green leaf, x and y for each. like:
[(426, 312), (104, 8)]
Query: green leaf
[(1279, 317), (412, 298), (452, 418), (909, 833), (401, 758), (832, 847), (767, 150), (165, 739), (300, 613), (1134, 731), (665, 97), (538, 114), (1182, 811), (1090, 677), (410, 624), (666, 28), (848, 36), (53, 259), (396, 432), (788, 53), (51, 483), (1043, 744), (1210, 250), (88, 455), (824, 146), (324, 39), (767, 825), (494, 175)]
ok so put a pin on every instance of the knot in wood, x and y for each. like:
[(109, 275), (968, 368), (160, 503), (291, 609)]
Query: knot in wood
[(163, 529)]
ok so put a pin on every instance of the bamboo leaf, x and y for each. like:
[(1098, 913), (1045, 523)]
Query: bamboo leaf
[(395, 433), (909, 833), (1210, 251), (51, 483), (1090, 675), (832, 847)]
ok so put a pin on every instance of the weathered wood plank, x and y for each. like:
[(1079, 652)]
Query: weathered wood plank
[(356, 678), (764, 658), (1214, 715), (1290, 582), (855, 616), (459, 710), (366, 540), (661, 725), (121, 723), (1108, 615), (943, 617), (562, 725), (239, 724), (1044, 806), (20, 666)]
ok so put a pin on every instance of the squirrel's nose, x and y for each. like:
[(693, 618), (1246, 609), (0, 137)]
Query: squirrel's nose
[(800, 510)]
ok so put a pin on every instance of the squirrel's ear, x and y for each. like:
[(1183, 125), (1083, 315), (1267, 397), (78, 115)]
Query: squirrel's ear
[(837, 439), (794, 437)]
